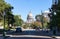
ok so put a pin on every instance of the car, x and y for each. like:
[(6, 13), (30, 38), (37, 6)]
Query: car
[(18, 29)]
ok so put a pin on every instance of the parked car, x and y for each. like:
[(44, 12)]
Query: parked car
[(18, 29)]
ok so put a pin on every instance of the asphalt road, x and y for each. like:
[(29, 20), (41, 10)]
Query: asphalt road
[(29, 34)]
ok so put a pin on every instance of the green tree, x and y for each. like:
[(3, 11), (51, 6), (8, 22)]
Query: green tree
[(38, 18), (18, 20), (56, 18), (4, 7), (7, 9), (58, 15), (25, 26), (36, 24), (42, 19)]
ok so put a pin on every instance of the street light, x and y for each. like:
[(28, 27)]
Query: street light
[(42, 20), (54, 13), (4, 25), (54, 29), (52, 16)]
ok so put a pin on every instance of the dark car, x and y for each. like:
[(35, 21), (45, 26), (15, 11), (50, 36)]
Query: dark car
[(19, 29)]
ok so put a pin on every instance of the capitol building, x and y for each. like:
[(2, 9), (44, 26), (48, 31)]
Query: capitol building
[(30, 22), (30, 18)]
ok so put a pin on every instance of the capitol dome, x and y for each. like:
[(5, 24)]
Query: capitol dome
[(30, 15)]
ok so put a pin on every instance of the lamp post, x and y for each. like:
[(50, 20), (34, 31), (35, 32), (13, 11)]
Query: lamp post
[(55, 24), (55, 3), (42, 21), (4, 25)]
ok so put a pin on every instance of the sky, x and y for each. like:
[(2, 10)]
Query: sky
[(23, 7)]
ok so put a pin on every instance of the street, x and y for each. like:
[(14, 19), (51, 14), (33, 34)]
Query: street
[(30, 34)]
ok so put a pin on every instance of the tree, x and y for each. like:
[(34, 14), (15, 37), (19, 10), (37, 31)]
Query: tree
[(56, 8), (58, 15), (38, 18), (25, 26), (37, 24), (42, 19), (18, 20), (7, 9), (4, 7)]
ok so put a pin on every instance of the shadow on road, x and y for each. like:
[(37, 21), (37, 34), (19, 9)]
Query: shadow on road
[(29, 32), (32, 32)]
